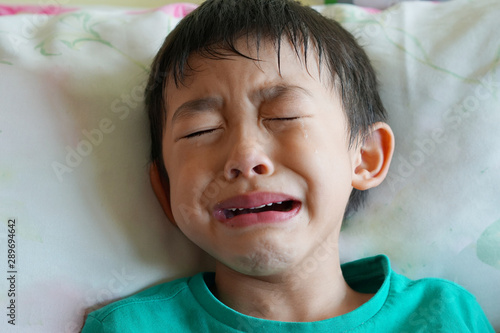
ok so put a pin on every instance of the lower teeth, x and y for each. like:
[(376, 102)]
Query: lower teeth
[(282, 206)]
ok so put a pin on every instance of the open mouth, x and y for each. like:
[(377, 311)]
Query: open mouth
[(256, 208), (281, 206)]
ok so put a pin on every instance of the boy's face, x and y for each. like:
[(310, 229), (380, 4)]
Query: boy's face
[(240, 135)]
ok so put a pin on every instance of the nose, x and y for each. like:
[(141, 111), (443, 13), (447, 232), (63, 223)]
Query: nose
[(248, 158)]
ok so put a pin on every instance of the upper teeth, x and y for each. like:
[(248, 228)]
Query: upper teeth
[(258, 207)]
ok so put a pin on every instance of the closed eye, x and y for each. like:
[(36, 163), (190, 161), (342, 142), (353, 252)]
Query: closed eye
[(284, 118), (199, 133)]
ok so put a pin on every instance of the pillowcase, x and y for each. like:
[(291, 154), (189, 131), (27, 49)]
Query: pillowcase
[(75, 146)]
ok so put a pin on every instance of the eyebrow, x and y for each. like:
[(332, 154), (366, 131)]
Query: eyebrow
[(192, 107), (195, 106), (281, 90)]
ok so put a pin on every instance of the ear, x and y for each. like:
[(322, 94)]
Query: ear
[(373, 157), (161, 188)]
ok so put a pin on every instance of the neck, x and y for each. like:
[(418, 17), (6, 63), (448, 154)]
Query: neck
[(303, 295)]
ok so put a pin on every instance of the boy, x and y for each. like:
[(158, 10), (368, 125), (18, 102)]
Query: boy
[(266, 128)]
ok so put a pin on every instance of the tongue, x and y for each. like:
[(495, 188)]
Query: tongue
[(283, 207)]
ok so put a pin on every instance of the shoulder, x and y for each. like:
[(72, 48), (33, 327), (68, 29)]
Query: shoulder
[(146, 306), (432, 290), (165, 292), (436, 303)]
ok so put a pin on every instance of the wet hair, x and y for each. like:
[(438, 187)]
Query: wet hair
[(212, 31)]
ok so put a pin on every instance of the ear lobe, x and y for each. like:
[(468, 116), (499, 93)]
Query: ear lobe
[(161, 188), (373, 157)]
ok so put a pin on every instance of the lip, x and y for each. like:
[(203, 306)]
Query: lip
[(253, 200)]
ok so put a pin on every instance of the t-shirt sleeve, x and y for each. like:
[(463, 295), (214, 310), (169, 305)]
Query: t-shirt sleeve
[(465, 312), (478, 320), (434, 305)]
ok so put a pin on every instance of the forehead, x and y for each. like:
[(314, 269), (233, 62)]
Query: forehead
[(263, 65)]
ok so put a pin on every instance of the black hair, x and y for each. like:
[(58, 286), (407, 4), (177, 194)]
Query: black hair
[(212, 30)]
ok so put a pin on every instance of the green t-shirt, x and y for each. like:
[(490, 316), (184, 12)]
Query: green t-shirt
[(399, 305)]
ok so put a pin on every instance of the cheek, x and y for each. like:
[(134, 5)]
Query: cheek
[(184, 189), (195, 188), (315, 151), (323, 161)]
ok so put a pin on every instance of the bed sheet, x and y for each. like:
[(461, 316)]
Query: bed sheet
[(74, 152)]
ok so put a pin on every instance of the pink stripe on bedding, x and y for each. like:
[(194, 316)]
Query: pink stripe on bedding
[(177, 10), (33, 9), (371, 10)]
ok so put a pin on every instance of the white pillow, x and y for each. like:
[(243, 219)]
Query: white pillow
[(74, 144)]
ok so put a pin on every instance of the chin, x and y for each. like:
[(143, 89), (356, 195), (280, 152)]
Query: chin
[(264, 261)]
